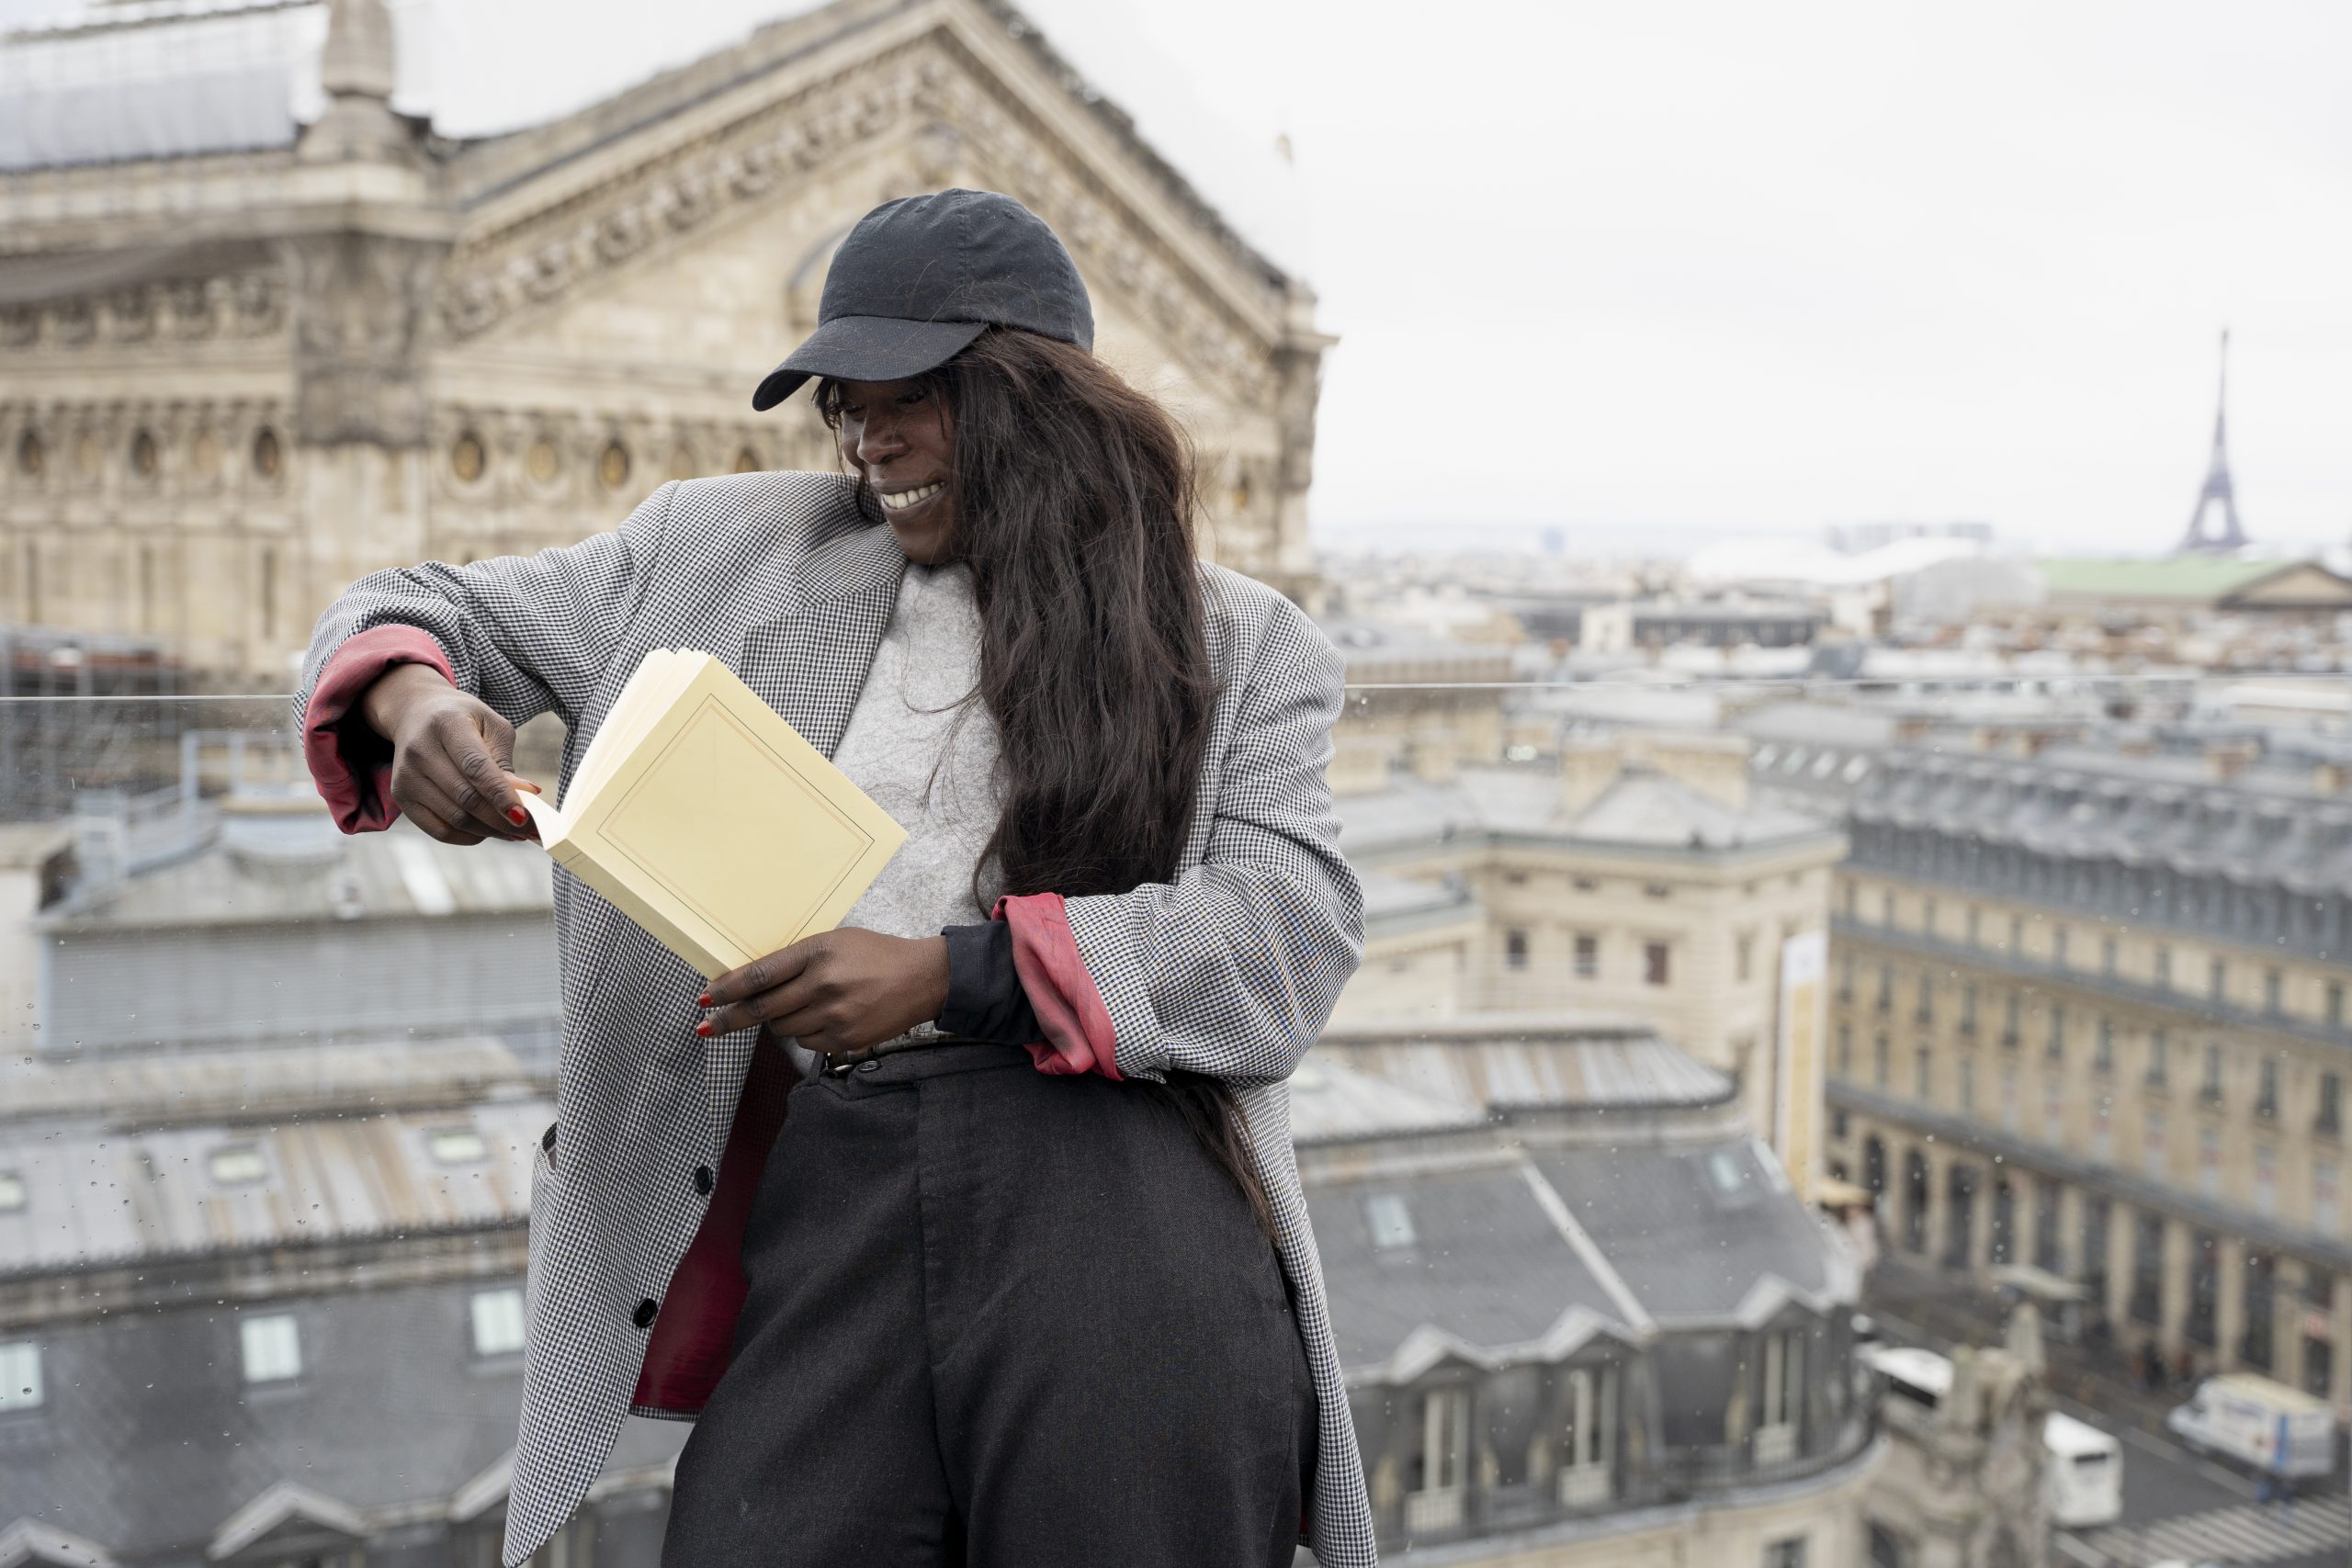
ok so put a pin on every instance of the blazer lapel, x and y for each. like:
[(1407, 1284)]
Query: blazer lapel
[(810, 666)]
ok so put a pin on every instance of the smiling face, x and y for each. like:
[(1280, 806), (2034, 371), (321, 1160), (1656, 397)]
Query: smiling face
[(898, 437)]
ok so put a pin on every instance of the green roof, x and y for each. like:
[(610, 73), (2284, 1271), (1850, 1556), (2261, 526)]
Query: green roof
[(2172, 577)]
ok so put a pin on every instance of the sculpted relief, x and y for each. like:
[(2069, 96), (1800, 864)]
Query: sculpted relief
[(924, 96)]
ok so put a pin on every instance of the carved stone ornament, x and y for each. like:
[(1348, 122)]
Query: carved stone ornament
[(358, 305), (554, 459), (949, 113), (185, 310), (167, 448)]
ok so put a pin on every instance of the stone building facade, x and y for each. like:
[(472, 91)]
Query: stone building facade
[(1586, 1320), (1628, 874), (2090, 1016), (1962, 1486), (233, 379)]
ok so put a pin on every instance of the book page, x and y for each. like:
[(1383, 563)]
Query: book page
[(649, 691)]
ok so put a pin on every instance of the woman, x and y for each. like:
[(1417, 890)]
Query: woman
[(1025, 1278)]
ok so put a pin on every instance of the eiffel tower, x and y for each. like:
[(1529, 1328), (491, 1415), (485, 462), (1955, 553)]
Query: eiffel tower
[(2206, 532)]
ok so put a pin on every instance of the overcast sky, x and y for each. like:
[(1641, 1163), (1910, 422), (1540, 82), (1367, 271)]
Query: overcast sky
[(1741, 266), (1692, 266)]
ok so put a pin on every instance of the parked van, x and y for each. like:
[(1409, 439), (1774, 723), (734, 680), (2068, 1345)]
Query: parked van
[(2082, 1476), (2264, 1425)]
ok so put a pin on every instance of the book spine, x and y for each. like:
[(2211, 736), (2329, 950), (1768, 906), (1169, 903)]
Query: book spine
[(686, 945)]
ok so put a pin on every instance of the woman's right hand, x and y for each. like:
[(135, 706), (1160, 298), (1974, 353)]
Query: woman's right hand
[(453, 758)]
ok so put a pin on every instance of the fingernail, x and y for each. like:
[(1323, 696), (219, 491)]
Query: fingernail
[(703, 1000), (703, 1029), (517, 816)]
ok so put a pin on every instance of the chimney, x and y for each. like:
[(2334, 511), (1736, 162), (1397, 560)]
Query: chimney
[(2330, 778), (1714, 765), (1588, 766)]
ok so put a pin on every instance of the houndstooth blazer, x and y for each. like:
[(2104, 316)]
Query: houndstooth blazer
[(1229, 970)]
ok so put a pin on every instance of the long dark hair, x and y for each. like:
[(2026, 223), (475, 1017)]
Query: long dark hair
[(1074, 503)]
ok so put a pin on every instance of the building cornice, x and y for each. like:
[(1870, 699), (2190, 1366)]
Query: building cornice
[(2016, 1152)]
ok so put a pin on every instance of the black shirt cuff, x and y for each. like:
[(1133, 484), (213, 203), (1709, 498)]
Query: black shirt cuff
[(985, 1000)]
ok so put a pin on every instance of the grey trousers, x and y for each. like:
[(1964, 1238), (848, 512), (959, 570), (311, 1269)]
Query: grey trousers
[(1000, 1320)]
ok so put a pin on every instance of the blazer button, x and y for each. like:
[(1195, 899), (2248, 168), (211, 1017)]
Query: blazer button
[(645, 1311), (702, 1179)]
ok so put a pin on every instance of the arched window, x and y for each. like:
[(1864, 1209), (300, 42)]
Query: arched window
[(613, 465)]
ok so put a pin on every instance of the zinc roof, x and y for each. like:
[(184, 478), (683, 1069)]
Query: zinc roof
[(2170, 577), (97, 1196)]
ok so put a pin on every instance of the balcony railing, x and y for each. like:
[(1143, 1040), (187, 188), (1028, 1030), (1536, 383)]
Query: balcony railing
[(2208, 1009)]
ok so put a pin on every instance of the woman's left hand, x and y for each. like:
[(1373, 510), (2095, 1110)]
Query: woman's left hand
[(837, 991)]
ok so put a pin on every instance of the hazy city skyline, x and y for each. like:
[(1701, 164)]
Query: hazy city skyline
[(1694, 269)]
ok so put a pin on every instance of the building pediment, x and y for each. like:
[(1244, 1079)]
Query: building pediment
[(1428, 1349), (947, 89), (285, 1521), (28, 1543)]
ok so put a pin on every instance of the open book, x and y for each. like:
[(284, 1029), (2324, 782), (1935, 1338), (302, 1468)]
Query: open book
[(706, 817)]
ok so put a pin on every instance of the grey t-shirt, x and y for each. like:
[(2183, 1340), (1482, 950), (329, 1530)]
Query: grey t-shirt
[(924, 745)]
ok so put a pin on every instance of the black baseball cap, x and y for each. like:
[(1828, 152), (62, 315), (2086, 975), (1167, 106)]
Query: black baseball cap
[(919, 278)]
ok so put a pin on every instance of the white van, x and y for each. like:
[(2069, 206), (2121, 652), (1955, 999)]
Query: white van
[(2264, 1425), (2082, 1477), (1920, 1376)]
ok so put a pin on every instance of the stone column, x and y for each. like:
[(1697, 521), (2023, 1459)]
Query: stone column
[(1980, 1218), (2229, 1303), (2286, 1327), (2173, 1315), (2341, 1333), (1938, 1201), (2287, 1331), (2070, 1230), (2121, 1220), (1297, 389)]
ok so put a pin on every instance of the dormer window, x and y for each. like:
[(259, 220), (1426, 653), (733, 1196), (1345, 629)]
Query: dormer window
[(1589, 1408), (498, 1320), (456, 1145), (1390, 1221), (237, 1164), (20, 1387), (272, 1348), (1780, 1411), (1438, 1473)]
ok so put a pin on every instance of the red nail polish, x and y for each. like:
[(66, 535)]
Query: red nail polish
[(517, 816), (703, 1000), (703, 1029)]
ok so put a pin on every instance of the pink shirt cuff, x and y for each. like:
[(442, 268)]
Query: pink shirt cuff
[(351, 763), (1078, 1035)]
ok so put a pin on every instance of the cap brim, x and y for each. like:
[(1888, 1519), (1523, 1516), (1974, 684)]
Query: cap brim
[(867, 348)]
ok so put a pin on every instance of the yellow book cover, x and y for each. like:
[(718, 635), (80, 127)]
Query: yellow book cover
[(706, 819)]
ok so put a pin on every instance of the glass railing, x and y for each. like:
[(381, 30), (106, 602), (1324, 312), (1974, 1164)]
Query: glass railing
[(1712, 1033)]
